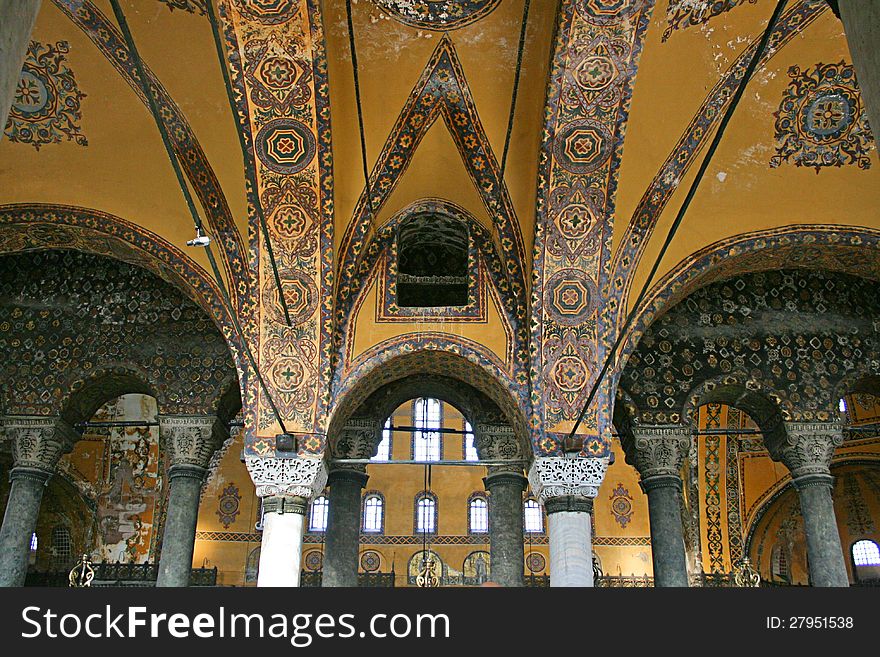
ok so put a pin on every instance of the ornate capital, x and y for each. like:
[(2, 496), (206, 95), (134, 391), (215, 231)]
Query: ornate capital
[(559, 476), (188, 439), (658, 451), (498, 442), (38, 442), (806, 448), (297, 477), (359, 439)]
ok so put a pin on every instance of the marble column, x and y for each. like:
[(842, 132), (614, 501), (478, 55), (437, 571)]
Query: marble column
[(506, 553), (343, 526), (18, 21), (188, 441), (861, 22), (285, 486), (658, 453), (566, 487), (37, 445), (806, 450)]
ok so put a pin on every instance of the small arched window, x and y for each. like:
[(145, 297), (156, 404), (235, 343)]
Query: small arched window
[(318, 517), (779, 566), (62, 548), (470, 447), (32, 556), (374, 507), (866, 553), (428, 419), (533, 519), (432, 261), (252, 567), (383, 453), (478, 514), (426, 514)]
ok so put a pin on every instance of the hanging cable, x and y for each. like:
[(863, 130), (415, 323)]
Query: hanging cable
[(175, 164), (248, 166), (360, 113), (704, 165), (519, 57)]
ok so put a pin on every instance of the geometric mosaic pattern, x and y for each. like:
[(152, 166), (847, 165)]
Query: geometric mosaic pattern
[(795, 334), (46, 107), (438, 14), (71, 318), (821, 121)]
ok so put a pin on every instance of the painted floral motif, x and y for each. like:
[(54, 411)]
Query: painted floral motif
[(621, 505), (821, 121), (229, 506), (46, 108)]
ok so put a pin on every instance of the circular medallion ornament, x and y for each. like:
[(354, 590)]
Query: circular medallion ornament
[(35, 97), (595, 72), (582, 146), (300, 294), (285, 146), (536, 562), (287, 374), (268, 12), (570, 297), (570, 373), (370, 561), (828, 114), (314, 560), (437, 14)]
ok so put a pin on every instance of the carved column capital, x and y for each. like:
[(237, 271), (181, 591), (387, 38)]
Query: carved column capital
[(358, 439), (297, 477), (806, 448), (498, 442), (658, 451), (188, 439), (559, 476), (38, 442)]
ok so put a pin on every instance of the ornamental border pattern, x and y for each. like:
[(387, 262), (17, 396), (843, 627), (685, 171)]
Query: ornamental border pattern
[(584, 124)]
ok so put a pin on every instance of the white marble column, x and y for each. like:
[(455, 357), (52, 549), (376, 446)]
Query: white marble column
[(285, 486), (566, 486), (17, 18), (281, 549)]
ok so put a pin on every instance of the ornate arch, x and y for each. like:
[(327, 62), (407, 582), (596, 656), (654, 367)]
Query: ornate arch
[(427, 355)]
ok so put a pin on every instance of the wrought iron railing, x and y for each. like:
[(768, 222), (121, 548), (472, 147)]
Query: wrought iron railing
[(313, 579), (120, 574)]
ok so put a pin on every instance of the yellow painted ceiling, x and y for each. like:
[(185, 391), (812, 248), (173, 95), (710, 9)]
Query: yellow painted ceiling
[(740, 191)]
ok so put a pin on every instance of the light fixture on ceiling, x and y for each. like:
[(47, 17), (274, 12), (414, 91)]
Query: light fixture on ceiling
[(200, 240)]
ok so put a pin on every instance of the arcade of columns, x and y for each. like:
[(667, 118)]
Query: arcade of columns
[(566, 486)]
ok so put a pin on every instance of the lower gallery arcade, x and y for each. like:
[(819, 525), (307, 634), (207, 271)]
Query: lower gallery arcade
[(565, 293)]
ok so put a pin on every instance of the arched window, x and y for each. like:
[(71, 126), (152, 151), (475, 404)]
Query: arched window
[(533, 519), (470, 447), (62, 548), (252, 567), (32, 557), (427, 418), (478, 514), (384, 451), (318, 518), (866, 553), (374, 517), (432, 261), (426, 514), (779, 567)]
